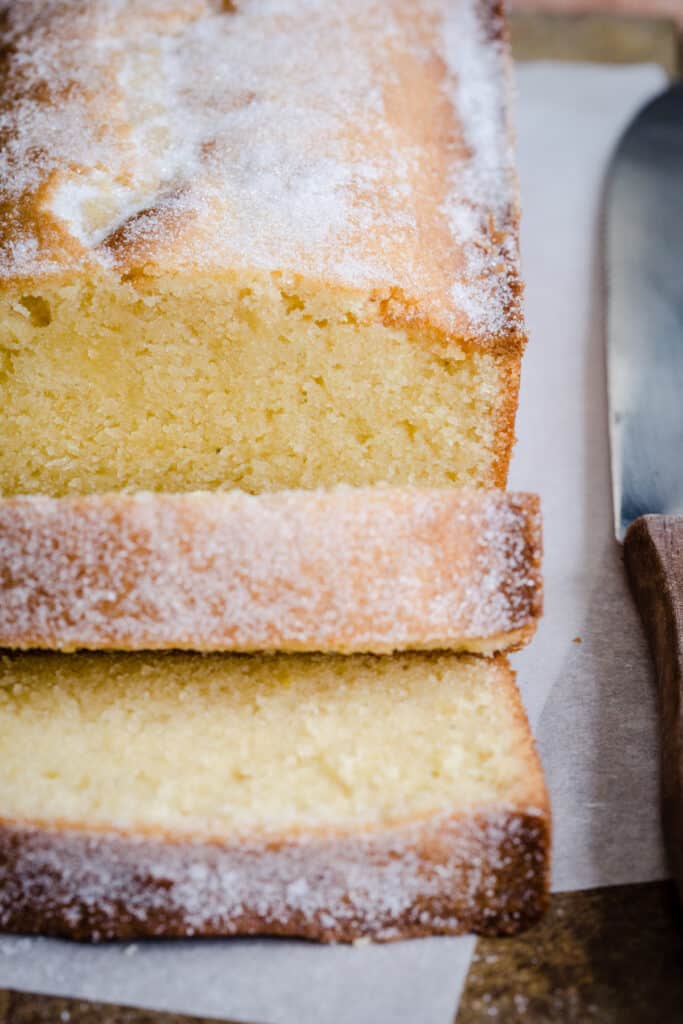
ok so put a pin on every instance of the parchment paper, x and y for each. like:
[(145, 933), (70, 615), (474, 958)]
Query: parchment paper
[(592, 703)]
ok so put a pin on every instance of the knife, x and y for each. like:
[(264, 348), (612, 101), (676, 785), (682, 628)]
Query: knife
[(644, 254)]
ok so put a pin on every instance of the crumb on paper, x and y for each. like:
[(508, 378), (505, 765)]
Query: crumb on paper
[(363, 941), (130, 950), (521, 1003), (577, 640)]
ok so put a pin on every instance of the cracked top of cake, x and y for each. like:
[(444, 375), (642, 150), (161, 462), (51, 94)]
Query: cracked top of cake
[(363, 145)]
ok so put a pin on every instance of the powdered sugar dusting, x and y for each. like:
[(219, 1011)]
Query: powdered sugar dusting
[(349, 570), (274, 137), (477, 78), (486, 872)]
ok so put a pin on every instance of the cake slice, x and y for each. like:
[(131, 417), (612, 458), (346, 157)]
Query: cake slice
[(317, 796), (371, 569), (256, 245)]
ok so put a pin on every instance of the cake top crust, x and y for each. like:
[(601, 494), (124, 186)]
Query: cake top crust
[(365, 145)]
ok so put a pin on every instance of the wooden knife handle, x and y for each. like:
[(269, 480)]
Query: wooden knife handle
[(653, 552)]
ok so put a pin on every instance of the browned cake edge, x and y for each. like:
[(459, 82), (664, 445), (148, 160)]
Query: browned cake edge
[(508, 349), (351, 570), (510, 361), (486, 873), (509, 366)]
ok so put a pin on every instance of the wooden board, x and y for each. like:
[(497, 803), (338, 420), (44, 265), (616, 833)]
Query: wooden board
[(599, 38)]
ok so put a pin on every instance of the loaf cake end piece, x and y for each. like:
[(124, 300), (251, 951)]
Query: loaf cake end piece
[(325, 797), (256, 245)]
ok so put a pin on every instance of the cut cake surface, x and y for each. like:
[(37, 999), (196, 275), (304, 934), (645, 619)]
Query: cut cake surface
[(369, 569), (327, 797), (261, 245)]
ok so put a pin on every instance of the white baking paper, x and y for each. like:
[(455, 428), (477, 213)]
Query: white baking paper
[(592, 703)]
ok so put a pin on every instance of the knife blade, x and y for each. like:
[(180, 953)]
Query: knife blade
[(644, 212), (644, 322)]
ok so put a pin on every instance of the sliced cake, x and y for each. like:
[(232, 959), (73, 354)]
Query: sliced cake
[(319, 796), (367, 569)]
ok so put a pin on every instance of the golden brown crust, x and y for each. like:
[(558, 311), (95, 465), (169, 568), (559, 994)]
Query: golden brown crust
[(509, 356), (487, 873), (392, 179), (370, 569)]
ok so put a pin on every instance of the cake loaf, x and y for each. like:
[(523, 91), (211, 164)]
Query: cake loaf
[(325, 797), (258, 245), (369, 569)]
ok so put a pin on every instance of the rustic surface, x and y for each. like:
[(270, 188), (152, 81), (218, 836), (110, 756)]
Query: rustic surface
[(26, 1008), (607, 955), (599, 38)]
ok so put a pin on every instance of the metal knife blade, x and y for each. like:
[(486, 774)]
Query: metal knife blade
[(644, 253)]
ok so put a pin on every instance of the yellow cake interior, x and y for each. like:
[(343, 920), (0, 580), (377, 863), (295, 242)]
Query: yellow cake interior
[(178, 383), (216, 745)]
